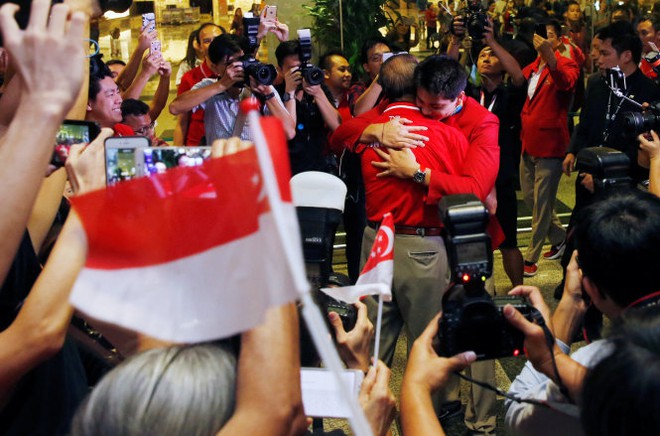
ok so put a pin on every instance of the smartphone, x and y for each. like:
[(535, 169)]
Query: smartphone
[(159, 159), (271, 13), (541, 30), (123, 158), (149, 21), (155, 47), (72, 132)]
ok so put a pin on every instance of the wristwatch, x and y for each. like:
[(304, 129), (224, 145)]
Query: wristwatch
[(419, 176), (287, 96)]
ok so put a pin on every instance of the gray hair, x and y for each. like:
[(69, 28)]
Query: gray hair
[(175, 390), (396, 76)]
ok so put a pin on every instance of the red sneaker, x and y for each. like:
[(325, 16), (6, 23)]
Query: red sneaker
[(530, 269), (556, 251)]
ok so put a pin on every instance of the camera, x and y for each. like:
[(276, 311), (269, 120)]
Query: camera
[(472, 320), (311, 74), (319, 200), (347, 312), (635, 123), (475, 19), (609, 168), (264, 74)]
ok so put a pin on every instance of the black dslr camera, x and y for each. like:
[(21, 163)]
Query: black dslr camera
[(609, 168), (317, 227), (264, 74), (471, 319), (313, 75), (475, 19)]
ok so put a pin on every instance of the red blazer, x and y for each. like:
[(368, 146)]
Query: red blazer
[(544, 118)]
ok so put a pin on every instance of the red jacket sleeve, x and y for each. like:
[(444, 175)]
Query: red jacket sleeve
[(481, 163), (347, 135), (566, 73)]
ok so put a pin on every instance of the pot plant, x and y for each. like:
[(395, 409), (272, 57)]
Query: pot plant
[(361, 19)]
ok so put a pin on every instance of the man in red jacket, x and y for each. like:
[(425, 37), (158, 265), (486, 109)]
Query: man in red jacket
[(551, 79)]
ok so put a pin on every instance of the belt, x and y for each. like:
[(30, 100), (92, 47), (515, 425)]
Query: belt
[(410, 230)]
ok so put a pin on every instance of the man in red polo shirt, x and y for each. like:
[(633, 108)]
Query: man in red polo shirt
[(190, 125), (421, 273)]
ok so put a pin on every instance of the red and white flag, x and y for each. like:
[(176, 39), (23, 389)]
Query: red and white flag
[(376, 276), (192, 254)]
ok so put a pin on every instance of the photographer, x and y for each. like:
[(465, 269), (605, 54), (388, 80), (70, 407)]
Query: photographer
[(602, 108), (310, 107), (220, 97), (619, 47), (504, 98), (617, 235)]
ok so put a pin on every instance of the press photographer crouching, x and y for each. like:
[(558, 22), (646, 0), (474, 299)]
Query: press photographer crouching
[(615, 269)]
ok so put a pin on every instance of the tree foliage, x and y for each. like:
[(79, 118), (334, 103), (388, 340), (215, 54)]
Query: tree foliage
[(361, 20)]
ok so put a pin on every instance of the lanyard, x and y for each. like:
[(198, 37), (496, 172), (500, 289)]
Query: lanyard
[(483, 101)]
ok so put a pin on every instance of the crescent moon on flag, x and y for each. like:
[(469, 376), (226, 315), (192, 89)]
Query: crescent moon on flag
[(390, 241)]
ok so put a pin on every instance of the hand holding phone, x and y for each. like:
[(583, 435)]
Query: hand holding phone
[(271, 13), (155, 48), (123, 161), (85, 165), (149, 21), (72, 132)]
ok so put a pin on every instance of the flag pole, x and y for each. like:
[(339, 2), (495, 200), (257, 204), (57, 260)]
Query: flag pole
[(311, 313), (379, 319)]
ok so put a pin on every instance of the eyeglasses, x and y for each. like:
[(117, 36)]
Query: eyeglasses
[(142, 131)]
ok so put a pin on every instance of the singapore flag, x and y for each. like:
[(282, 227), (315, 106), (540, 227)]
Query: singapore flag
[(376, 276)]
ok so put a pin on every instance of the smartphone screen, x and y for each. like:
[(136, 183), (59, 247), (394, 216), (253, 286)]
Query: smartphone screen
[(149, 21), (123, 159), (159, 159), (72, 132)]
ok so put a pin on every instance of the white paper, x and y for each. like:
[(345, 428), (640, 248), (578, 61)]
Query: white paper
[(322, 397)]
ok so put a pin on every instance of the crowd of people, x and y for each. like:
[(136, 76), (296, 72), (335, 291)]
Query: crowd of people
[(495, 111)]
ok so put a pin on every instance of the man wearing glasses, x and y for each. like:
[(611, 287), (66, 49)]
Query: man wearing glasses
[(135, 114)]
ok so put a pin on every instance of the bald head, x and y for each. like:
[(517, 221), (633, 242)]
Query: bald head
[(396, 77)]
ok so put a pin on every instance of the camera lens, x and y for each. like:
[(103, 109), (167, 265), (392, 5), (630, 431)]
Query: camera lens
[(313, 75), (634, 123), (265, 74)]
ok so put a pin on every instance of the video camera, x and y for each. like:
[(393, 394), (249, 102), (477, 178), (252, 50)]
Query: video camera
[(311, 74), (264, 74), (475, 19), (471, 319), (609, 168), (319, 200)]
